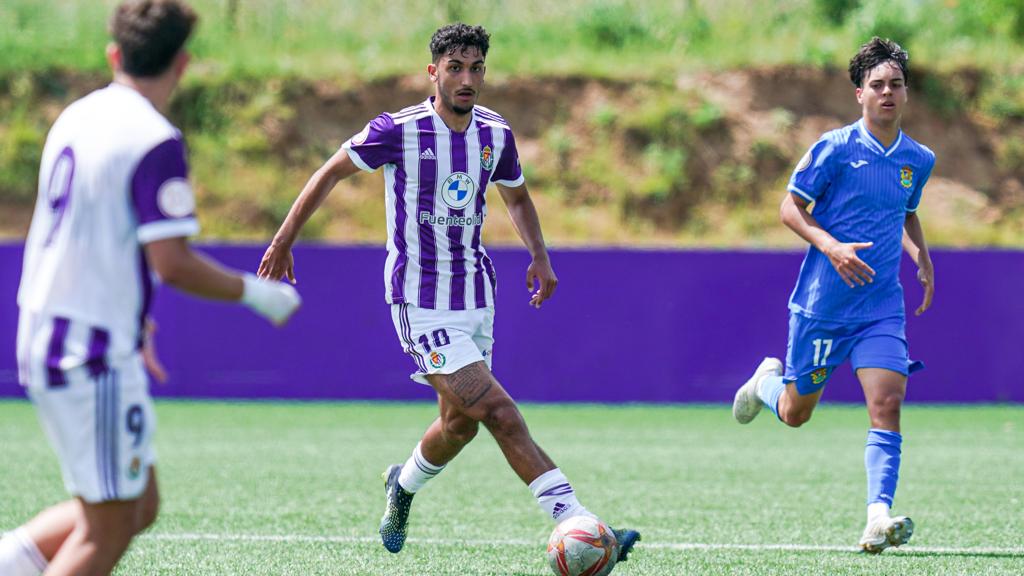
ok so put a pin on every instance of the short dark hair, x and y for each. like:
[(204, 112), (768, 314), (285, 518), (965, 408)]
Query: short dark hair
[(878, 51), (457, 36), (150, 33)]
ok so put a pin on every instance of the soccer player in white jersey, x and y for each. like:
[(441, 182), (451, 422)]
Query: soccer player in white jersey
[(114, 202), (865, 181), (439, 157)]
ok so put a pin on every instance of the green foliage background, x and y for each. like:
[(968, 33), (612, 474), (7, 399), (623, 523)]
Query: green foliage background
[(255, 60), (613, 38)]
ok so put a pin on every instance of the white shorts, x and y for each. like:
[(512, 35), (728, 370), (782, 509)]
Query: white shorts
[(101, 428), (443, 341)]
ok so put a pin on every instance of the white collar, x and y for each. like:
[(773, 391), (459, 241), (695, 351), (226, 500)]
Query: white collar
[(869, 139)]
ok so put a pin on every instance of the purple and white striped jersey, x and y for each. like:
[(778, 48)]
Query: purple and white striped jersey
[(113, 177), (435, 183)]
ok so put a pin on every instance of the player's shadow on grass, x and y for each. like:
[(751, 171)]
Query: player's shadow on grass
[(942, 553)]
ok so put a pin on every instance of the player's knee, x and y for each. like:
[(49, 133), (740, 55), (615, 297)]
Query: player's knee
[(504, 419), (886, 406), (147, 511), (460, 431), (796, 417), (109, 538)]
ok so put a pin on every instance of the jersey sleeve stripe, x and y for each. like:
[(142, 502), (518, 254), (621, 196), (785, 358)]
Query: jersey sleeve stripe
[(356, 159), (801, 193), (512, 183), (164, 229)]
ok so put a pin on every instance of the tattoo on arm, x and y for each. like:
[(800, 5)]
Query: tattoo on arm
[(470, 384)]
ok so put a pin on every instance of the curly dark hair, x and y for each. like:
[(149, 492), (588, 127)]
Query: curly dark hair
[(150, 33), (458, 36), (875, 52)]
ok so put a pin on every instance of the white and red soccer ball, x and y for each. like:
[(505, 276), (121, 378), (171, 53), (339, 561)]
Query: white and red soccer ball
[(582, 546)]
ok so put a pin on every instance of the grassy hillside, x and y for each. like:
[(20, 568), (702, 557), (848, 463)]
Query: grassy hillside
[(608, 38), (673, 124)]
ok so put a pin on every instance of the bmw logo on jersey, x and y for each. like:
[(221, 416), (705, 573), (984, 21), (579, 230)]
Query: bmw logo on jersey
[(458, 190)]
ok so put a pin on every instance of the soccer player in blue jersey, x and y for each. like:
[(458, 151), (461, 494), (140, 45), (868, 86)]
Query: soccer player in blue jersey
[(865, 181)]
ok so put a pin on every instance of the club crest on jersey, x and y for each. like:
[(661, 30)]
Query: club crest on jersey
[(458, 190), (906, 176), (487, 158), (819, 375), (437, 359)]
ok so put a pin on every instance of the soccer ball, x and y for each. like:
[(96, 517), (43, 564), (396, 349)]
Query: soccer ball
[(582, 546)]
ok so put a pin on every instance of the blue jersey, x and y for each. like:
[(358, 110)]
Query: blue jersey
[(862, 192)]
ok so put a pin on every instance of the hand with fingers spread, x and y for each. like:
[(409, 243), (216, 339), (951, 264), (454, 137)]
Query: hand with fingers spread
[(850, 267), (277, 263), (926, 276), (546, 281)]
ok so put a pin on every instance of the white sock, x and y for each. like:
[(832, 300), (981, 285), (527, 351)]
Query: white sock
[(877, 510), (19, 555), (417, 471), (556, 497)]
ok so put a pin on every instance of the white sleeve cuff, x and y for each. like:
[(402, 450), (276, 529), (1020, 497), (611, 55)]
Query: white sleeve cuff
[(800, 192), (511, 183), (164, 229)]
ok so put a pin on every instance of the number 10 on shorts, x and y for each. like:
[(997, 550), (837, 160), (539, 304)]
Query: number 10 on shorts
[(819, 358), (440, 339)]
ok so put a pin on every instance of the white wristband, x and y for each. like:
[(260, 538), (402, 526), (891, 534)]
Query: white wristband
[(275, 301)]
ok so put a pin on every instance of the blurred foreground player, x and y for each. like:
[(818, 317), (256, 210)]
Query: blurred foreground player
[(865, 181), (114, 202)]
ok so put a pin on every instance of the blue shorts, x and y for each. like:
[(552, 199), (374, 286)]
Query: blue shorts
[(817, 347)]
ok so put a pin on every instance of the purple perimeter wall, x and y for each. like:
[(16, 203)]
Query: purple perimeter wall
[(624, 326)]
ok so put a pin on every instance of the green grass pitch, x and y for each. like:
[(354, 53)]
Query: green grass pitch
[(294, 488)]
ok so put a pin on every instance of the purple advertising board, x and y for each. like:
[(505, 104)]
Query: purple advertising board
[(623, 326)]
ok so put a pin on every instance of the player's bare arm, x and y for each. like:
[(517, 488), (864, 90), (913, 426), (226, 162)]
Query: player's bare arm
[(527, 224), (189, 271), (277, 262), (916, 246), (179, 266), (842, 255)]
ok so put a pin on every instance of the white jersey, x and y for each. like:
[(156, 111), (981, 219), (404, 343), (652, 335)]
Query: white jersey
[(435, 193), (113, 177)]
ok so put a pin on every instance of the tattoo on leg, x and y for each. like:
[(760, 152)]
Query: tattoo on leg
[(470, 384)]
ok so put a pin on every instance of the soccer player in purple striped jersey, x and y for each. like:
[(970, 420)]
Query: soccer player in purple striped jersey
[(114, 202), (865, 181), (438, 157)]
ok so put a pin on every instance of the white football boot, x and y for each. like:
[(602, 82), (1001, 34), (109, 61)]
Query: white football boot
[(884, 532), (746, 404)]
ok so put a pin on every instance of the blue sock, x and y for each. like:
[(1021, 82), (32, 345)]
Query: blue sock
[(769, 391), (882, 460)]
